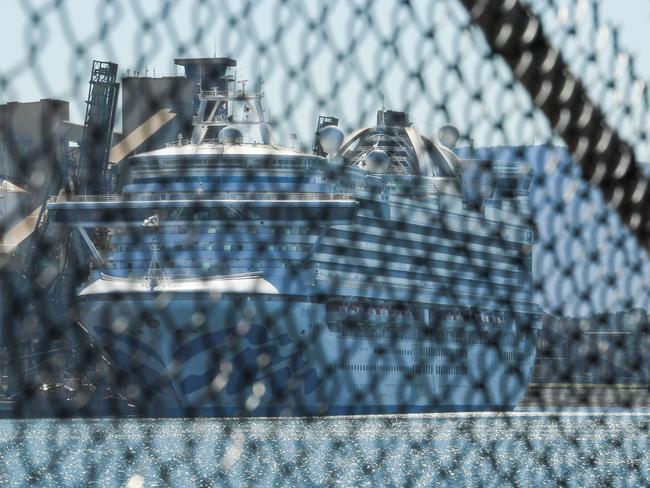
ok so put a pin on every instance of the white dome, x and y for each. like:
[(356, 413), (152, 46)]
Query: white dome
[(330, 138), (230, 135), (377, 161)]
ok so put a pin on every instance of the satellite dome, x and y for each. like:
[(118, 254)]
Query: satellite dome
[(330, 138), (448, 136), (377, 161), (230, 135)]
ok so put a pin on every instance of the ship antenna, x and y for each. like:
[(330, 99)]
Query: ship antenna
[(243, 87), (383, 109), (380, 123)]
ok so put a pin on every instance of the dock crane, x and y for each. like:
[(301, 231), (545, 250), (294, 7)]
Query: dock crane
[(89, 176)]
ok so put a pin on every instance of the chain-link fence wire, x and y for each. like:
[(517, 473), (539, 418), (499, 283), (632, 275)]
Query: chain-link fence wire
[(379, 295)]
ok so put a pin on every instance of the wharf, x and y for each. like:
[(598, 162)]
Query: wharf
[(569, 395)]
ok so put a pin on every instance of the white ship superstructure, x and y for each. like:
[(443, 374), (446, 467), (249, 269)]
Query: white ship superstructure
[(243, 277)]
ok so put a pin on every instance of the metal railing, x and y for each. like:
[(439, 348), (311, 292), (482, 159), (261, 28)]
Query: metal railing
[(160, 197)]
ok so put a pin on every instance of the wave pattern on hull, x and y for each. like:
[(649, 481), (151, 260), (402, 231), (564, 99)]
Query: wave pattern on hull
[(234, 365)]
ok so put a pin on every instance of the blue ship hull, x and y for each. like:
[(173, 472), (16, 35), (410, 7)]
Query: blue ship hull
[(188, 354), (239, 277)]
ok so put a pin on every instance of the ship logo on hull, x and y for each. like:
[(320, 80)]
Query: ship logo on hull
[(255, 356)]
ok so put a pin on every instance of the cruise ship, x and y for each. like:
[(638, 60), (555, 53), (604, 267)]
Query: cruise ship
[(235, 276)]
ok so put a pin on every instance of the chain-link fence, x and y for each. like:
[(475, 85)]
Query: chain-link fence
[(305, 211)]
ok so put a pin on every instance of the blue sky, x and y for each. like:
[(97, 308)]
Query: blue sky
[(40, 57)]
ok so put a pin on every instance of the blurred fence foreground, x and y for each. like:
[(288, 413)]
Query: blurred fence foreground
[(321, 210)]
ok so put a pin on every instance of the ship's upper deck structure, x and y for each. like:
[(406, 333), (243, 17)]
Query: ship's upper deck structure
[(409, 153)]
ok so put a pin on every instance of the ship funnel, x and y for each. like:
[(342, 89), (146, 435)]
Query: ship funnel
[(206, 74)]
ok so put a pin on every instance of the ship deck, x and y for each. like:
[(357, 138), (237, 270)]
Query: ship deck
[(109, 210)]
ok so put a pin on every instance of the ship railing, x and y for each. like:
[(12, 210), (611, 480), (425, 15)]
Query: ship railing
[(151, 197), (446, 186), (178, 143), (231, 94), (206, 142), (215, 92), (217, 119), (185, 142)]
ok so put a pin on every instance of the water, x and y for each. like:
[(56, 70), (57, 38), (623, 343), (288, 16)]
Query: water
[(580, 448)]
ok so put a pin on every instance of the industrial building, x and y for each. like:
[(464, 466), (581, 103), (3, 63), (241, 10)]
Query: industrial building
[(33, 136)]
